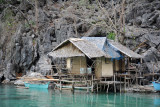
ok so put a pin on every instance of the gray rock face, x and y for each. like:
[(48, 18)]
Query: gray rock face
[(58, 20), (152, 59), (153, 40), (142, 34), (9, 72), (144, 14), (44, 66), (152, 55)]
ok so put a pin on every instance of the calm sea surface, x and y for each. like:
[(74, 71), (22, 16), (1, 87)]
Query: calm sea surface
[(13, 97)]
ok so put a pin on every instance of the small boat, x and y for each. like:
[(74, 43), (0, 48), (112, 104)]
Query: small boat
[(156, 85), (76, 87), (37, 85)]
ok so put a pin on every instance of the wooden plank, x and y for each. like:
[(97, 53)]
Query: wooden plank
[(41, 80)]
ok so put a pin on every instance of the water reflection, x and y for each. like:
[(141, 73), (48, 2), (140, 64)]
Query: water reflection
[(40, 90), (157, 102), (12, 97)]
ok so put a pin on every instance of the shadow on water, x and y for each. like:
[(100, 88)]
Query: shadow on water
[(15, 98)]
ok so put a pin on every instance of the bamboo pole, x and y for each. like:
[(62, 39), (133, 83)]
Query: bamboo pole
[(60, 84), (120, 85), (87, 88), (125, 82), (114, 84), (108, 87), (92, 83), (72, 86)]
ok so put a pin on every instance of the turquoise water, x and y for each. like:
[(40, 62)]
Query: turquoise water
[(12, 97)]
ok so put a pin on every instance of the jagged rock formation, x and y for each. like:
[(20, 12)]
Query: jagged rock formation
[(22, 49), (142, 20)]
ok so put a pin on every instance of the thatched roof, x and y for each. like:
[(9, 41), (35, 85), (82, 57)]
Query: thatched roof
[(101, 43), (124, 49), (98, 41), (110, 47), (91, 47), (85, 48), (65, 49)]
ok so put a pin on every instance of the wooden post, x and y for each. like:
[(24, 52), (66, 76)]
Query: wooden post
[(125, 83), (97, 87), (136, 78), (60, 85), (108, 87), (114, 84), (87, 88), (72, 86), (92, 84), (120, 85)]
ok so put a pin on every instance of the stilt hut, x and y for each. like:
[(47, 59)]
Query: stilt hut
[(93, 55)]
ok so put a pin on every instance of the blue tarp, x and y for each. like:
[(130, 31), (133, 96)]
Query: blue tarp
[(103, 44)]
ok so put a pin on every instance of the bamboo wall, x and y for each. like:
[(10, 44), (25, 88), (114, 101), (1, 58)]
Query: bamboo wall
[(103, 68), (75, 63), (107, 67), (98, 68)]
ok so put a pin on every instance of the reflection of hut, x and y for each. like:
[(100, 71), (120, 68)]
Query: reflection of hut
[(93, 54)]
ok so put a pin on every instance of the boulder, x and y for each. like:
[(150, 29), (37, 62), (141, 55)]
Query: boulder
[(153, 67), (152, 59), (29, 75), (153, 39), (151, 55), (44, 65)]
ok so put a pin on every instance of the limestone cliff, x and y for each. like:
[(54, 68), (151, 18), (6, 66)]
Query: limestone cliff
[(28, 32)]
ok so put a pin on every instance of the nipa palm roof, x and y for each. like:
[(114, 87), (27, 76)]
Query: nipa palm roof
[(85, 47), (92, 47)]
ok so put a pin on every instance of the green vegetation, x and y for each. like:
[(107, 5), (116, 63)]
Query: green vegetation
[(34, 42), (83, 2), (32, 23), (8, 17), (1, 1), (111, 36)]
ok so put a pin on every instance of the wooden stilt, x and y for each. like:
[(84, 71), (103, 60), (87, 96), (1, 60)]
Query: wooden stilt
[(107, 87), (92, 84), (72, 86), (87, 88), (120, 85), (60, 85), (114, 84), (136, 78), (124, 83)]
